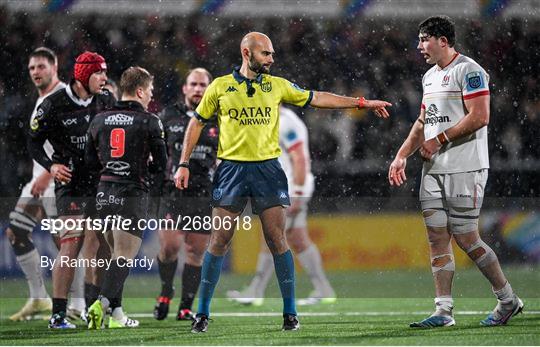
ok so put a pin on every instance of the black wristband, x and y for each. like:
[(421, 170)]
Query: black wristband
[(184, 164)]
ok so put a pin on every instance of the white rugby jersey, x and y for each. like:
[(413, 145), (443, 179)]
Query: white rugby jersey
[(445, 91), (292, 133), (37, 169)]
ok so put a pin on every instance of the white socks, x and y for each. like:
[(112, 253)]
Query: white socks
[(311, 261), (30, 265), (118, 314), (444, 305), (265, 268), (505, 294), (76, 292)]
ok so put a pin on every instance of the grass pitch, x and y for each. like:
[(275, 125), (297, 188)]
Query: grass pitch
[(374, 308)]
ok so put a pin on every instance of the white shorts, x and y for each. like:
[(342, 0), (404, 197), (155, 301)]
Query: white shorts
[(299, 220), (461, 190), (47, 200)]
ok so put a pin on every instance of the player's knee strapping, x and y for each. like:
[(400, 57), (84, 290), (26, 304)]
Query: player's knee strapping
[(463, 220), (22, 225), (435, 218), (481, 253), (443, 262)]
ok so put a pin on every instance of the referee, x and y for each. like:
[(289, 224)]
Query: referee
[(247, 106)]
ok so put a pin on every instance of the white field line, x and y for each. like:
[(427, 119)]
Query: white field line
[(325, 314)]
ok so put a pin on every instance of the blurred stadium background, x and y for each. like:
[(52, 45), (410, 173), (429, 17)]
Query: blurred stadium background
[(363, 227)]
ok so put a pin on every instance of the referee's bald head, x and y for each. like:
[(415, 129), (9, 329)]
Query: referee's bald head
[(253, 39), (257, 52)]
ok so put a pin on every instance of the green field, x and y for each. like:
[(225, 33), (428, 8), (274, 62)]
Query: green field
[(374, 308)]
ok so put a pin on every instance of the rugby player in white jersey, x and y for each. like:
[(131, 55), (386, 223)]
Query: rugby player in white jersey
[(37, 198), (451, 134), (295, 160)]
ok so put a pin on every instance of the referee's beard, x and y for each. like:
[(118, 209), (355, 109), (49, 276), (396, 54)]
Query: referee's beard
[(257, 67)]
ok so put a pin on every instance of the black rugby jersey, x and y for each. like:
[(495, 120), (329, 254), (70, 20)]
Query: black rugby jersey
[(175, 120), (121, 141), (63, 119)]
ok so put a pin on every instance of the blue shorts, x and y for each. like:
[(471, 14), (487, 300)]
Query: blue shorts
[(264, 182)]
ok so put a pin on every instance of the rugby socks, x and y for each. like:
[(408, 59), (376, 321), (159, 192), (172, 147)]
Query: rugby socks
[(505, 294), (444, 305), (91, 293), (116, 303), (210, 272), (311, 261), (114, 281), (262, 277), (166, 274), (30, 266), (118, 313), (284, 265), (59, 306), (76, 291), (191, 277)]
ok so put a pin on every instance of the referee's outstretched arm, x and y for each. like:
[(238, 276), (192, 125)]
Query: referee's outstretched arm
[(329, 100)]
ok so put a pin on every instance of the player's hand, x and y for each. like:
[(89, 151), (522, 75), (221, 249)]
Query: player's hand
[(41, 184), (181, 178), (396, 173), (61, 173), (429, 148), (379, 107)]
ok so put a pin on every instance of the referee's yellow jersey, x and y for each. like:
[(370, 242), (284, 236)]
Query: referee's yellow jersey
[(248, 113)]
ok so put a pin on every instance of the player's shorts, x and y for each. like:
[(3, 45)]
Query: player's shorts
[(185, 205), (47, 200), (127, 200), (75, 198), (455, 190), (299, 220), (264, 182)]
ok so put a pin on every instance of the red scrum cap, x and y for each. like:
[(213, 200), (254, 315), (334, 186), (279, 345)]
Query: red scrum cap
[(86, 64)]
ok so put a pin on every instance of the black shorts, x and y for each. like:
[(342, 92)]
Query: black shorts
[(75, 198), (184, 206), (127, 200), (264, 182)]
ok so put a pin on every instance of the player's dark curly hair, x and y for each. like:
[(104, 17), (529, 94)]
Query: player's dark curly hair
[(439, 26)]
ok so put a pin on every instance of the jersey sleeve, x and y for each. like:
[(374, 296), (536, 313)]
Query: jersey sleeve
[(209, 103), (41, 121), (474, 81), (91, 157), (158, 148), (41, 125), (290, 131), (293, 94)]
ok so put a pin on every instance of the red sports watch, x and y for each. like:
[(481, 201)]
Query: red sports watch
[(361, 102)]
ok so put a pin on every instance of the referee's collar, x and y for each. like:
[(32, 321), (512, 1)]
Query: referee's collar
[(240, 78)]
